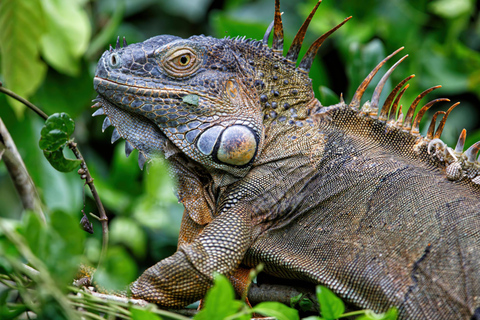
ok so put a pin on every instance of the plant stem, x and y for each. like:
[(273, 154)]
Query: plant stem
[(24, 101), (353, 313), (89, 181)]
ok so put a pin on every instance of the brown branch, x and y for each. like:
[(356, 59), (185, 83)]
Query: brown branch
[(24, 101), (18, 172), (280, 293), (84, 173)]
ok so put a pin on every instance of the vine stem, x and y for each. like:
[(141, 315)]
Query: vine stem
[(89, 181), (24, 101), (84, 173)]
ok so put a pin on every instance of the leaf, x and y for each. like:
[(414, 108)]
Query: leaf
[(451, 8), (191, 99), (391, 314), (21, 27), (56, 131), (219, 301), (55, 135), (67, 34), (141, 314), (331, 307), (277, 310)]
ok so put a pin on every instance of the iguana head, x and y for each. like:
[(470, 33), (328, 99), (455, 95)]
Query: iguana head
[(212, 98), (195, 91)]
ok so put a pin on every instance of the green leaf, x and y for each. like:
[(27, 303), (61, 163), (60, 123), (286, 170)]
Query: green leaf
[(451, 8), (21, 27), (191, 99), (331, 307), (11, 311), (391, 314), (277, 310), (219, 301), (67, 35), (141, 314), (59, 162), (56, 132), (54, 136), (294, 300)]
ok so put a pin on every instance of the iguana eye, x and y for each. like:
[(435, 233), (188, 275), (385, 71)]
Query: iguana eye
[(181, 63)]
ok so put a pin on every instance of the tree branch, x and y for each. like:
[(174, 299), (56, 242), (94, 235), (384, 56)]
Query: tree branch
[(18, 172)]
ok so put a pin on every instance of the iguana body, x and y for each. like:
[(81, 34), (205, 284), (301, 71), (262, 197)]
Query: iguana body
[(331, 195)]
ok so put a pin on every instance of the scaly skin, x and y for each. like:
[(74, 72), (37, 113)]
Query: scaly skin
[(330, 195)]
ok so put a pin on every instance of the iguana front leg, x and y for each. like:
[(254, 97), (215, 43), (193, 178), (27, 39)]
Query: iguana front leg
[(185, 276)]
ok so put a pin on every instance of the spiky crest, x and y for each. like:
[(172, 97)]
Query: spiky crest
[(277, 44), (459, 165), (296, 45)]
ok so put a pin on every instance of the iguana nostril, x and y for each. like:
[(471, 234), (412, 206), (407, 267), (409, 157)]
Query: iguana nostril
[(114, 60)]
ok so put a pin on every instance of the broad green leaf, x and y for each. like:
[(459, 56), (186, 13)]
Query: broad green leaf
[(21, 27), (219, 301), (54, 136), (277, 310), (67, 34), (141, 314), (331, 307), (59, 162), (56, 132)]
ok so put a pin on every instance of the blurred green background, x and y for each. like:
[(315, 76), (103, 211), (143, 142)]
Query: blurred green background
[(49, 50)]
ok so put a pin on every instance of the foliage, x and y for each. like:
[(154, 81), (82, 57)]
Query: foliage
[(55, 135), (48, 53)]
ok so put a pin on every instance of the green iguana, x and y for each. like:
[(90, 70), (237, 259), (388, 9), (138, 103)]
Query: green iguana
[(348, 197)]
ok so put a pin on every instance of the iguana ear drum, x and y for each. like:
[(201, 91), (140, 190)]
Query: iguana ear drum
[(236, 145)]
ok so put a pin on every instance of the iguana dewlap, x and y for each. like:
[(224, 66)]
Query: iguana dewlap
[(352, 199)]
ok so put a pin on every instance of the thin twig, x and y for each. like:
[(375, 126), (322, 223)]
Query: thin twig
[(89, 181), (24, 101)]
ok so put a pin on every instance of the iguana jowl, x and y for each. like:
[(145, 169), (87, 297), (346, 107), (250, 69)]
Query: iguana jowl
[(357, 201)]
